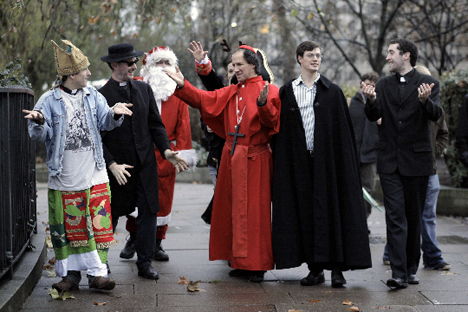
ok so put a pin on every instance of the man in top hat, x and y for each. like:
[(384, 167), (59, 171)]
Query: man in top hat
[(175, 116), (68, 119), (246, 114), (129, 152)]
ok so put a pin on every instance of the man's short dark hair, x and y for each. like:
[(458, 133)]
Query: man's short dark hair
[(373, 77), (251, 58), (405, 45), (308, 45), (110, 66), (64, 78)]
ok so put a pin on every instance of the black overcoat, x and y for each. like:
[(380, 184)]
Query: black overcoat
[(133, 144), (319, 219), (405, 131), (366, 132)]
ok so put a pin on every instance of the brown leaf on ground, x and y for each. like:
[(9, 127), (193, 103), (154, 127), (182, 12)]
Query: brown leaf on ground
[(294, 310), (52, 261), (314, 300), (62, 296), (193, 286), (355, 309), (347, 302), (47, 267), (329, 292), (99, 303), (182, 281)]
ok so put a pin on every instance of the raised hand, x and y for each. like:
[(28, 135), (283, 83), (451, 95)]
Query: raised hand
[(262, 98), (424, 90), (197, 51), (369, 91), (177, 76)]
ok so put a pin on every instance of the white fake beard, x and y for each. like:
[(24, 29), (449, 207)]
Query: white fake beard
[(163, 86)]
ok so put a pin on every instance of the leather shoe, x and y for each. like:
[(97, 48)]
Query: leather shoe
[(396, 283), (65, 285), (413, 279), (148, 272), (101, 282), (256, 276), (338, 279), (239, 272), (159, 253), (130, 247), (313, 279)]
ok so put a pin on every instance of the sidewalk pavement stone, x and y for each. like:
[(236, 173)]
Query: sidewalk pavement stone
[(187, 245)]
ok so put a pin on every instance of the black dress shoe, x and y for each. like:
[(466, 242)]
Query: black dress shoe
[(396, 283), (413, 279), (313, 279), (338, 279), (148, 272), (129, 250), (159, 253), (239, 272), (256, 276)]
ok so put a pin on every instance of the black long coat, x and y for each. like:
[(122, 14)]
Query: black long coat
[(319, 219), (366, 132), (405, 131), (132, 144)]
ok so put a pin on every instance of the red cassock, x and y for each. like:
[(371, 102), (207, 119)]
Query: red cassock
[(176, 119), (241, 217)]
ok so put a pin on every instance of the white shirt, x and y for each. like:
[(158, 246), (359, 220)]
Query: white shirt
[(305, 101)]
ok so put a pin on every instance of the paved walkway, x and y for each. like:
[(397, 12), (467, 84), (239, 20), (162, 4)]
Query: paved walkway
[(187, 246)]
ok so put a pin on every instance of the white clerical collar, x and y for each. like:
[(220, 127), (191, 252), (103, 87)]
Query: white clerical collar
[(122, 84)]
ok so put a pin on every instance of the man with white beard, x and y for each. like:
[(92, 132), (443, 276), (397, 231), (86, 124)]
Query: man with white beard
[(175, 116)]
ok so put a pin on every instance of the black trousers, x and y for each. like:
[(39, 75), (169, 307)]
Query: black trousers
[(404, 199), (146, 228)]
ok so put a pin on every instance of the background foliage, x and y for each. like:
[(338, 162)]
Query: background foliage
[(353, 34)]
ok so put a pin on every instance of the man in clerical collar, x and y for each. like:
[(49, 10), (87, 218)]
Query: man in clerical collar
[(129, 152), (68, 119), (175, 116), (406, 103)]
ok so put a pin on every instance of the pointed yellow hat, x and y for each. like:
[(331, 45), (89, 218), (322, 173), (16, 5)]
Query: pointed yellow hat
[(71, 61)]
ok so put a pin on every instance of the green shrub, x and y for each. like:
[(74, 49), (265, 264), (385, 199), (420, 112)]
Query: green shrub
[(453, 88), (11, 76)]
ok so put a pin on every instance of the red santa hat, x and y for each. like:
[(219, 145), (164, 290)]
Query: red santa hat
[(160, 53)]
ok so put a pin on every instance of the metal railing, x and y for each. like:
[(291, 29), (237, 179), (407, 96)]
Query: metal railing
[(17, 178)]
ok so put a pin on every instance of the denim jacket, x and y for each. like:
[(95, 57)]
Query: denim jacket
[(99, 117)]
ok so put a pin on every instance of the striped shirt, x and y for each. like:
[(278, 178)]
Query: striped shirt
[(305, 101)]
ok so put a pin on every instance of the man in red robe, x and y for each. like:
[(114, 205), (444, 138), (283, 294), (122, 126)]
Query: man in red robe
[(246, 115), (175, 116)]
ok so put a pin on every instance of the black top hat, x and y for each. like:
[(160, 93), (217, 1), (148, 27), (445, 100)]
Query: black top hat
[(119, 52)]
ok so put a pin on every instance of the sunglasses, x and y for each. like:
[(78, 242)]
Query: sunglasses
[(130, 64)]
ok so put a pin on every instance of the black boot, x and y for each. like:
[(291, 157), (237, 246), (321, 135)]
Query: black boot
[(159, 253), (129, 250)]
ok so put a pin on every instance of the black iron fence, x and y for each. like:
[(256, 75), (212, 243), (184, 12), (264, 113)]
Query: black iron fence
[(17, 178)]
